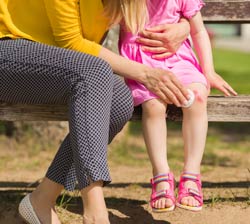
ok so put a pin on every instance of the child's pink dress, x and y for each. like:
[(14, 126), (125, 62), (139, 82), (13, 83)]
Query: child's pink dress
[(183, 63)]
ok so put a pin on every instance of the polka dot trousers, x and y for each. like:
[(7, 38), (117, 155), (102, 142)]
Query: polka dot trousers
[(99, 103)]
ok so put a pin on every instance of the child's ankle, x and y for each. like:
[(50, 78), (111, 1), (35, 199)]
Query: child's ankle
[(161, 172)]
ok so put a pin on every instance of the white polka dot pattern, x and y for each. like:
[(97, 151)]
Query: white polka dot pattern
[(27, 212), (99, 103)]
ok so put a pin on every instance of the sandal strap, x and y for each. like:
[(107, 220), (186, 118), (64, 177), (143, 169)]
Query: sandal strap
[(167, 193), (194, 191), (185, 192), (190, 176), (162, 194), (160, 178)]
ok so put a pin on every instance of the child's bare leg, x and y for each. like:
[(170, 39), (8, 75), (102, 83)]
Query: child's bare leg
[(155, 135), (95, 211), (194, 131)]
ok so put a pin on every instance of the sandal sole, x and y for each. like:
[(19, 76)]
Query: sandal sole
[(161, 210), (190, 208)]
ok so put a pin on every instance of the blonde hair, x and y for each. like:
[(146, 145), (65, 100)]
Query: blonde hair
[(134, 13)]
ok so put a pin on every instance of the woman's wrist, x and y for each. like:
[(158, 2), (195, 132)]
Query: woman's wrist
[(144, 73)]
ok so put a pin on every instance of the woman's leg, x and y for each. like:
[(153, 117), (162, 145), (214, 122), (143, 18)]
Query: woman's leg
[(93, 200), (155, 136), (43, 200), (194, 134), (36, 73)]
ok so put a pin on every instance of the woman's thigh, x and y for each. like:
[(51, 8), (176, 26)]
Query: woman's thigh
[(37, 73)]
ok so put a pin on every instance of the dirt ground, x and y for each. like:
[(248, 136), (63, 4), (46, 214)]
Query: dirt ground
[(226, 191)]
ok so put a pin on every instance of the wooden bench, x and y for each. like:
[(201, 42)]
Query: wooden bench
[(220, 109)]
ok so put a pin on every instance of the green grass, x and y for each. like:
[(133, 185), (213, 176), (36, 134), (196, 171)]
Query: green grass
[(234, 67)]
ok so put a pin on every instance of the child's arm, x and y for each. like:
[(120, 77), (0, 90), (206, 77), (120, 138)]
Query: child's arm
[(203, 49)]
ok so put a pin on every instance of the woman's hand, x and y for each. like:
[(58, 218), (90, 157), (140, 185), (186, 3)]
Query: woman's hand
[(217, 82), (161, 82), (164, 40), (165, 85)]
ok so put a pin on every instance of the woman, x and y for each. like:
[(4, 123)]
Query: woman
[(61, 61)]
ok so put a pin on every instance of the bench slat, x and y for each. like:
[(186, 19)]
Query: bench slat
[(226, 11), (220, 109)]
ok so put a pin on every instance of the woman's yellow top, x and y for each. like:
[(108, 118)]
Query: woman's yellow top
[(74, 24)]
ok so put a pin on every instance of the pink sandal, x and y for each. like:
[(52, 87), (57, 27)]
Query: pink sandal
[(185, 192), (169, 194)]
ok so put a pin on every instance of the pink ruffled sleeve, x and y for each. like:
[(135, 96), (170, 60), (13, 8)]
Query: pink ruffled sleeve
[(189, 8)]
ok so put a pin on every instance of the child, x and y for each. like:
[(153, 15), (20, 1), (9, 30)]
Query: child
[(140, 14)]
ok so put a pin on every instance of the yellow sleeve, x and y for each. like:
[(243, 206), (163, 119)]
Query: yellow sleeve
[(64, 17)]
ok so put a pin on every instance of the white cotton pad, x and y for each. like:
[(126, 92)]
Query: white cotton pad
[(191, 99)]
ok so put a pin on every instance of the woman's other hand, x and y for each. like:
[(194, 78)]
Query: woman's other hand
[(164, 40)]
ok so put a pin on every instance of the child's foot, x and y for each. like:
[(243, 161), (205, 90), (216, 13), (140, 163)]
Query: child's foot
[(162, 197), (190, 194), (190, 200)]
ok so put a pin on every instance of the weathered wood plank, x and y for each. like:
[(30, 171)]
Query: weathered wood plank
[(22, 112), (220, 109), (226, 11)]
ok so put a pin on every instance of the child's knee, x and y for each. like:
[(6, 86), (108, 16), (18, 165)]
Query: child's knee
[(200, 99), (201, 94), (199, 107), (154, 107)]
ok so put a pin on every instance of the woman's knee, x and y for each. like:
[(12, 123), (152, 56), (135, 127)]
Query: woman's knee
[(90, 70), (122, 108)]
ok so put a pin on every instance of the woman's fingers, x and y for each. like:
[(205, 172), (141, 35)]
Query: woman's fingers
[(177, 93), (147, 42), (160, 56), (157, 50), (172, 89)]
